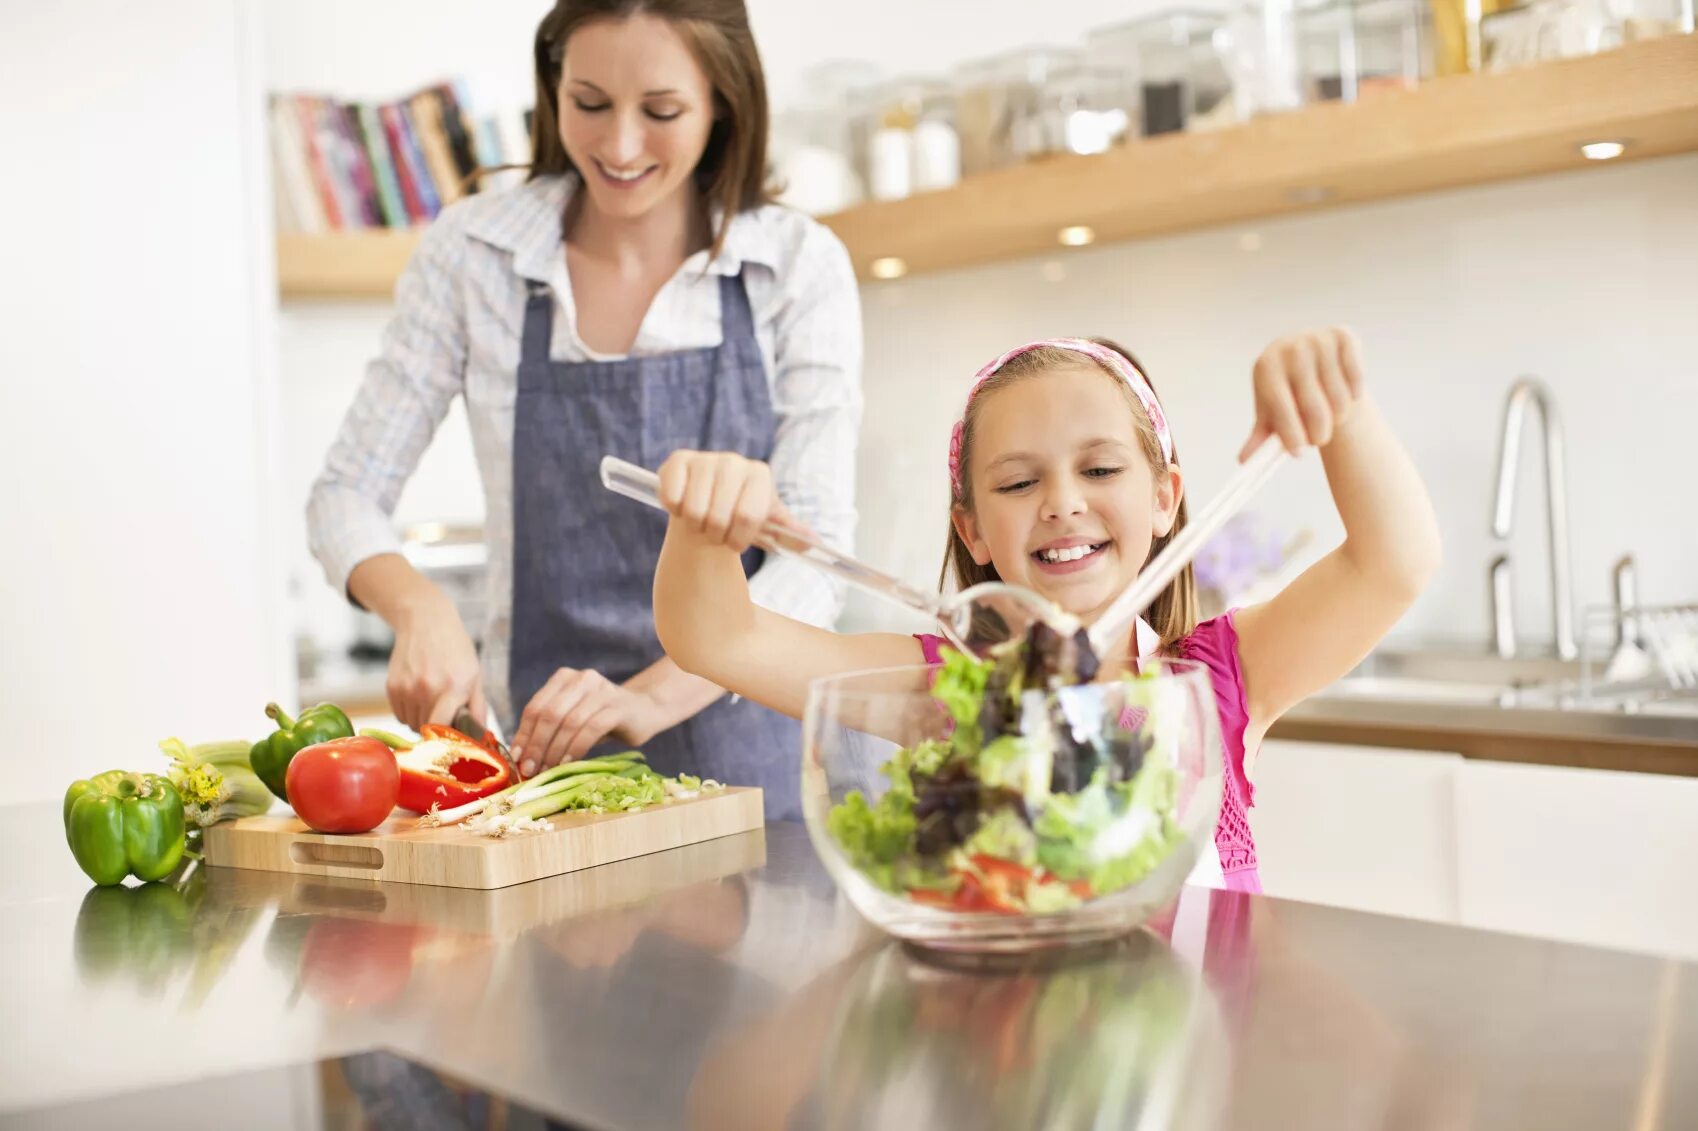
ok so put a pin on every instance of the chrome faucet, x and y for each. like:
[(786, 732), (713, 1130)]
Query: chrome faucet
[(1532, 390)]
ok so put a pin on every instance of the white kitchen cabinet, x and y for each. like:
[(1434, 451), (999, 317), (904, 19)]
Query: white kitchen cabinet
[(1592, 856), (1358, 826)]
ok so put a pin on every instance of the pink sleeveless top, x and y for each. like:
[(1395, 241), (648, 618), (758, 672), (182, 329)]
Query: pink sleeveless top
[(1214, 644)]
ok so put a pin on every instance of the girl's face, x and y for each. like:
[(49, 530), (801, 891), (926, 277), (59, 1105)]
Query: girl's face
[(1064, 500), (635, 112)]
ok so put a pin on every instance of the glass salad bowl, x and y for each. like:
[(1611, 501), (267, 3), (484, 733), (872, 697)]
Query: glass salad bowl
[(990, 807)]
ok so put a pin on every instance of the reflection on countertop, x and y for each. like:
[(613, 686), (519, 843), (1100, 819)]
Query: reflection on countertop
[(726, 985)]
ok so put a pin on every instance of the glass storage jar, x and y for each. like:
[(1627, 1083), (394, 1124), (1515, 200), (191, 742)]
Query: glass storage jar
[(1081, 109), (1350, 48), (995, 100), (1180, 70)]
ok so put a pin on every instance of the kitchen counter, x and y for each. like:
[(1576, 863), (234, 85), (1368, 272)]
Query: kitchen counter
[(1516, 727), (726, 985)]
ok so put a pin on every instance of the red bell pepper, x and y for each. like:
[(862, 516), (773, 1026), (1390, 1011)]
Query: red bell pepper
[(447, 768), (991, 884)]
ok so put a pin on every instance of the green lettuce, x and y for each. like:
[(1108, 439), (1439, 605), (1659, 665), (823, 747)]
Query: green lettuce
[(1006, 836), (874, 835), (960, 687)]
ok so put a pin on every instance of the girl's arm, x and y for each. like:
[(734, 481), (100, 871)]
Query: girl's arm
[(702, 611), (1309, 391)]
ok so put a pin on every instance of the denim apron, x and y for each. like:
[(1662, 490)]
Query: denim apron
[(584, 558)]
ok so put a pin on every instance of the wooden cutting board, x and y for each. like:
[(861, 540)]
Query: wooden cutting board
[(400, 851)]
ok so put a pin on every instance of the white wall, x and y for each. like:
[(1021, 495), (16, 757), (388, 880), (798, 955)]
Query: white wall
[(1585, 279), (141, 598)]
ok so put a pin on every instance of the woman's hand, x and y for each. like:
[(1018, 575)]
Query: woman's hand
[(434, 669), (721, 497), (575, 710), (1306, 387)]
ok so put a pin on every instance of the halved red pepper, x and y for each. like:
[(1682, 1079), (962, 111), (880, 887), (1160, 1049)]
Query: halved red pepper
[(447, 768)]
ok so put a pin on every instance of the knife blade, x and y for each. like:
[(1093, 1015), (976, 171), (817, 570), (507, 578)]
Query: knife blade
[(477, 732)]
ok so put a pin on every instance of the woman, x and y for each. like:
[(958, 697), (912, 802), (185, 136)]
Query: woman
[(638, 294)]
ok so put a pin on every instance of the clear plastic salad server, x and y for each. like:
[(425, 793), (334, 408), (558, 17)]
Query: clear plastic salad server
[(974, 620)]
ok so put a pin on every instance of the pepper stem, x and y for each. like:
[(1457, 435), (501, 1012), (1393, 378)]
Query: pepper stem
[(279, 716)]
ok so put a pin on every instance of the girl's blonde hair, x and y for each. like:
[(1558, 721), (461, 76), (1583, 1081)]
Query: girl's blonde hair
[(1174, 613)]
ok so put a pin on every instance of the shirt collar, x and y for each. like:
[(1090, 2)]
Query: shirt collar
[(1149, 640), (526, 221)]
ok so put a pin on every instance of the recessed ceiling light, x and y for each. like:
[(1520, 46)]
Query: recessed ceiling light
[(1602, 150), (890, 267), (1077, 236)]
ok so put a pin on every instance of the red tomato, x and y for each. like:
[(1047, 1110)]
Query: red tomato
[(348, 785)]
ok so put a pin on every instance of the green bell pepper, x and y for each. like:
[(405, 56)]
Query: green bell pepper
[(122, 824), (270, 756)]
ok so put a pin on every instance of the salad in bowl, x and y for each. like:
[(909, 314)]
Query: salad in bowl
[(1016, 802)]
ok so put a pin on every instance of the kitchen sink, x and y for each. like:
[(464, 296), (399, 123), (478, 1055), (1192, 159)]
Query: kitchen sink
[(1467, 666), (1526, 708), (1457, 675)]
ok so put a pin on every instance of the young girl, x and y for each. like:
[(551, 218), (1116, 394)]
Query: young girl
[(1065, 480)]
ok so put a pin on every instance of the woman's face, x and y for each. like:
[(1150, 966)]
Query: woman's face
[(635, 112), (1064, 500)]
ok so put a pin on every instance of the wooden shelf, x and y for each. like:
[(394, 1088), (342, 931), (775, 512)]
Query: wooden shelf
[(1465, 130), (343, 264)]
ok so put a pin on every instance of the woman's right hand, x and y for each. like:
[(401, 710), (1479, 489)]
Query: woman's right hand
[(434, 668), (721, 497)]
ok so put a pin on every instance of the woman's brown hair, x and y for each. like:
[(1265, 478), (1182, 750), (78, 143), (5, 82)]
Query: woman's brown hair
[(1174, 613), (732, 173)]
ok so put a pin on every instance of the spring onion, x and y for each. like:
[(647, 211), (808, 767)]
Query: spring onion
[(616, 783)]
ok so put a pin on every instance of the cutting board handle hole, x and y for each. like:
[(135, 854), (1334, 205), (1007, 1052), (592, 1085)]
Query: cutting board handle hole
[(336, 855)]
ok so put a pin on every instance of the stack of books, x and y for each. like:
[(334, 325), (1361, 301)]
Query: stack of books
[(349, 166)]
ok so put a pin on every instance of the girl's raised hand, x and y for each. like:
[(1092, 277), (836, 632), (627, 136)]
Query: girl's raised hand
[(1306, 386), (722, 497)]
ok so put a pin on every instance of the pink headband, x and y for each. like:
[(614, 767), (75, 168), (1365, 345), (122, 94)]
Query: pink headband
[(1116, 364)]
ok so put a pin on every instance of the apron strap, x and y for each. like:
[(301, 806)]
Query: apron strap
[(538, 333), (736, 320)]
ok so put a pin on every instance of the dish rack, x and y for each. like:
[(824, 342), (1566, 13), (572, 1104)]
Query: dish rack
[(1639, 653)]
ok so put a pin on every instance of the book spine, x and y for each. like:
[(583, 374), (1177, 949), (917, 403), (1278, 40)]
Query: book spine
[(289, 155), (360, 172), (433, 140), (377, 153), (318, 162), (459, 139), (336, 159), (406, 179), (429, 197)]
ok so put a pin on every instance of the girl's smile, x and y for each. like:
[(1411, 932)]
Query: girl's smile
[(1070, 555)]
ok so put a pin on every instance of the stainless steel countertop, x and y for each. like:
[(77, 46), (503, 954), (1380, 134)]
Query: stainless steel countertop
[(726, 985)]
